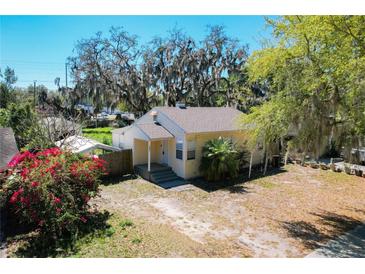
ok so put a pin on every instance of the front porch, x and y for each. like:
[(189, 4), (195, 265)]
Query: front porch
[(153, 167), (156, 173)]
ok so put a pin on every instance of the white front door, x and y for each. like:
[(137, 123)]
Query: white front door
[(165, 152)]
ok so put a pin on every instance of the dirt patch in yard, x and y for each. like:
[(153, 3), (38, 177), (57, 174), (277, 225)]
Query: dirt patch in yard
[(287, 214)]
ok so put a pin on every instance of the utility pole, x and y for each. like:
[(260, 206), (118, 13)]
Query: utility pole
[(34, 91), (66, 73)]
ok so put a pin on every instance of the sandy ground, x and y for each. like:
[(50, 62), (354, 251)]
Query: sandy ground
[(288, 214)]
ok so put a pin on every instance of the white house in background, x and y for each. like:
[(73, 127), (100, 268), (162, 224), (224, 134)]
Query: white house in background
[(174, 137), (80, 144)]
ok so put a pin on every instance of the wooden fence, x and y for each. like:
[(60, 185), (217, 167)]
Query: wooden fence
[(119, 162)]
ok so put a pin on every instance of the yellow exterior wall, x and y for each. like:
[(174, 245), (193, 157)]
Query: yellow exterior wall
[(156, 152), (192, 166), (185, 168), (177, 165), (140, 152)]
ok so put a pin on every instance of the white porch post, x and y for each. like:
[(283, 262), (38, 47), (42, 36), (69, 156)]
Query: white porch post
[(149, 156)]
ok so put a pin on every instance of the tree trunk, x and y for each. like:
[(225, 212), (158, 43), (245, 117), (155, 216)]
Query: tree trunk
[(303, 158), (286, 156), (266, 161), (249, 169)]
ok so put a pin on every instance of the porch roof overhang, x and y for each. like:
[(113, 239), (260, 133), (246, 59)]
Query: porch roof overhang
[(154, 131)]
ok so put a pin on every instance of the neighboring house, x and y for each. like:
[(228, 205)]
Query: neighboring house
[(174, 136), (80, 144), (8, 147)]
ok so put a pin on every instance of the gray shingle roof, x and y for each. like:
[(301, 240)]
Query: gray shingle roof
[(8, 147), (190, 120), (203, 119), (154, 131)]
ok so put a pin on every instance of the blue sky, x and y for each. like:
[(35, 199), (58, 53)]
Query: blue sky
[(37, 46)]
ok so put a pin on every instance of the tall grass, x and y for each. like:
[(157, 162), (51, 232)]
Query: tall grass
[(101, 134)]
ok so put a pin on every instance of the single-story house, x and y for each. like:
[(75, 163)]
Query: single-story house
[(174, 137)]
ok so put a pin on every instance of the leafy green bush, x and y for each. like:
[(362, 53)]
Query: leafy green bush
[(21, 119), (25, 123), (4, 117), (220, 159), (125, 223), (5, 96)]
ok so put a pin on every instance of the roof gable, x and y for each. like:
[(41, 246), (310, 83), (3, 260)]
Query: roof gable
[(154, 131)]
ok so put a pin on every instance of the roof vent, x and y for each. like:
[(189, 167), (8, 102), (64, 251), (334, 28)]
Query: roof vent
[(154, 115), (180, 105)]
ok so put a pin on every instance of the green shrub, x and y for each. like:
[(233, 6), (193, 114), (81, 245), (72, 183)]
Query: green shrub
[(136, 240), (220, 159), (25, 124), (110, 232), (125, 223)]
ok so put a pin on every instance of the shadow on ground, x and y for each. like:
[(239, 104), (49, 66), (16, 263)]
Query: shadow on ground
[(34, 244), (329, 226), (112, 180), (234, 185)]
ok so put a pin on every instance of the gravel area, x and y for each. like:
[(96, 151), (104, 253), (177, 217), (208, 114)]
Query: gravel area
[(285, 214)]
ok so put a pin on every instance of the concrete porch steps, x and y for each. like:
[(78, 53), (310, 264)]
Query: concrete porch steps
[(159, 173), (161, 176)]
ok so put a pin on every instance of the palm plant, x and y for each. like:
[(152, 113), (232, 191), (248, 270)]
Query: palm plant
[(220, 159)]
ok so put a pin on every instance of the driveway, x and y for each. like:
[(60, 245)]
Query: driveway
[(348, 245)]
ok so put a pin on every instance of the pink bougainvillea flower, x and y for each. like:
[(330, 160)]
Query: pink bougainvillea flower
[(25, 201), (24, 173), (20, 157), (54, 151), (14, 198), (71, 176), (34, 184)]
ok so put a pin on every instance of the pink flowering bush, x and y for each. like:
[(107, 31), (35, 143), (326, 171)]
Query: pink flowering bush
[(50, 189)]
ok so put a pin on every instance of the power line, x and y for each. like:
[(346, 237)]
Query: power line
[(34, 90), (41, 70), (39, 81), (30, 62)]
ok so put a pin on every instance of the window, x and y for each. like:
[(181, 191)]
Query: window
[(191, 150), (179, 150)]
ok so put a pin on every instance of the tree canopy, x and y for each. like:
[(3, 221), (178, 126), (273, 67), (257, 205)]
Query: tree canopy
[(315, 73), (115, 68), (6, 86)]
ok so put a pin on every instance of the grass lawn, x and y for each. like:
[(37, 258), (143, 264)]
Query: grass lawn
[(134, 238), (284, 214), (101, 134)]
